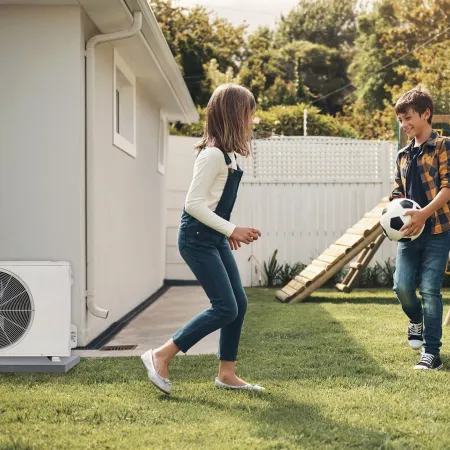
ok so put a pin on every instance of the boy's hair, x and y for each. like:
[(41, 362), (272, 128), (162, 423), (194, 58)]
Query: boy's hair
[(227, 125), (418, 99)]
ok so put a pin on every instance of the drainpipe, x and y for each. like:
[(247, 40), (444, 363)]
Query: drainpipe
[(91, 212)]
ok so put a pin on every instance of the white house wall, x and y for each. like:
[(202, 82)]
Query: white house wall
[(180, 163), (130, 233), (41, 139)]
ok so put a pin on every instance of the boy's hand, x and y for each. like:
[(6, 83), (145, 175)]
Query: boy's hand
[(418, 218)]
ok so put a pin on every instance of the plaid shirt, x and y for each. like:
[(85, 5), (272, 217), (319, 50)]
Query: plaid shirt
[(433, 166)]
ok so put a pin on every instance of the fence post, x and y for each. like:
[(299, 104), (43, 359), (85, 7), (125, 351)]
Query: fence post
[(385, 167), (305, 121)]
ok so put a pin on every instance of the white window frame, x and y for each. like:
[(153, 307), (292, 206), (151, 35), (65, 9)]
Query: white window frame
[(120, 141), (162, 142)]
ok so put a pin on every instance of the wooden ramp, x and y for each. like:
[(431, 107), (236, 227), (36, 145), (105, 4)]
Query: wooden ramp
[(363, 239)]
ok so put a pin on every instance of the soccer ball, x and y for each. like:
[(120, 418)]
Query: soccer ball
[(392, 219)]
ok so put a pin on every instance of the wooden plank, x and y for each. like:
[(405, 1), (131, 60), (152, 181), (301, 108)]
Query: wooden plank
[(309, 275), (366, 222), (379, 207), (358, 231), (375, 213), (335, 257), (322, 264), (301, 289), (349, 240), (289, 290), (303, 280), (314, 269), (282, 296), (367, 225), (336, 250), (377, 210), (295, 284), (327, 258)]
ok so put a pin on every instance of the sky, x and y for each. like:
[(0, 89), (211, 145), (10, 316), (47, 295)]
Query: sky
[(254, 13)]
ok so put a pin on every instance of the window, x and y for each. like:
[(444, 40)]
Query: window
[(162, 144), (124, 106)]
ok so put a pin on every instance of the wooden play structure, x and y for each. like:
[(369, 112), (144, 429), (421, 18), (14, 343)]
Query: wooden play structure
[(356, 247), (360, 242)]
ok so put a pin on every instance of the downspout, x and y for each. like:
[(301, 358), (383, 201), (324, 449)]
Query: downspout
[(90, 160)]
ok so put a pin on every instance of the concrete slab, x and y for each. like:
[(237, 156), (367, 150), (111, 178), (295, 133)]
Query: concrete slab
[(38, 364), (156, 324)]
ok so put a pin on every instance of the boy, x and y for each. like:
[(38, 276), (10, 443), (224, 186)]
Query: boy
[(422, 174)]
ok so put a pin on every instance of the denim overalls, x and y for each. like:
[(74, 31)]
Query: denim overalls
[(208, 254)]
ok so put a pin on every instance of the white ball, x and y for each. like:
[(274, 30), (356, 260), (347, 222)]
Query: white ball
[(392, 219)]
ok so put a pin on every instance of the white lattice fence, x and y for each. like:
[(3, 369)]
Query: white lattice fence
[(320, 158), (303, 193)]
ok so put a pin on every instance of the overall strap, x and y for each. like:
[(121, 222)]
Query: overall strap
[(227, 158)]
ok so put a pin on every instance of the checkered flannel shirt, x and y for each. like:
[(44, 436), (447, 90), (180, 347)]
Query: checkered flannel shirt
[(433, 165)]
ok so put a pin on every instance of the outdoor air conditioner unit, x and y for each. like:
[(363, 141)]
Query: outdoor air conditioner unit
[(35, 310)]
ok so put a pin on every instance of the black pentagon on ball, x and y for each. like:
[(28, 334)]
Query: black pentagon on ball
[(396, 223), (384, 211), (407, 204), (404, 240)]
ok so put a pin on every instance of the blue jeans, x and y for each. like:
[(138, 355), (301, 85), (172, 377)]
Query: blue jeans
[(215, 268), (423, 261)]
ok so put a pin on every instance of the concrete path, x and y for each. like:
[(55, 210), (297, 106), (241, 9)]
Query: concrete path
[(157, 323)]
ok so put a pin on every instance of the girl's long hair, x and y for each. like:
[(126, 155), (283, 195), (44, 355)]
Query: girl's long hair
[(227, 125)]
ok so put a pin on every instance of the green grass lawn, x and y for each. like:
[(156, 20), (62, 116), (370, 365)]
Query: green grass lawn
[(338, 374)]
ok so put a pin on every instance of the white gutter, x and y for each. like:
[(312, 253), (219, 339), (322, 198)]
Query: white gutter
[(90, 160)]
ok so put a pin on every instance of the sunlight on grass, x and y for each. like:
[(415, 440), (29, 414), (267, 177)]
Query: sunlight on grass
[(337, 369)]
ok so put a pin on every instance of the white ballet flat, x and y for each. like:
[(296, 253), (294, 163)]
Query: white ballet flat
[(163, 384), (246, 387)]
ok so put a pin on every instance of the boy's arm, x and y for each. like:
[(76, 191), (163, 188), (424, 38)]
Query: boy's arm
[(419, 217), (398, 191), (444, 160)]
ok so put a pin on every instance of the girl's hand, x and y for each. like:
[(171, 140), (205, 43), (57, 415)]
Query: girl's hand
[(234, 244), (245, 234)]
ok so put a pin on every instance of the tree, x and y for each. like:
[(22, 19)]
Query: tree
[(283, 120), (391, 58), (195, 39), (324, 22), (370, 55), (390, 54), (260, 41), (320, 70), (216, 77), (425, 44)]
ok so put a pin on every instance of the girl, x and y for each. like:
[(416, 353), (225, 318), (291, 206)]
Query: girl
[(202, 238)]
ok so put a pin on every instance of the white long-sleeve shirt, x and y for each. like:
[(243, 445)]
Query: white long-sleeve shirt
[(208, 183)]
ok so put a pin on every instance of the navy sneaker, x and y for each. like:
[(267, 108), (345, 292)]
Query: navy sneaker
[(415, 335), (429, 362)]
